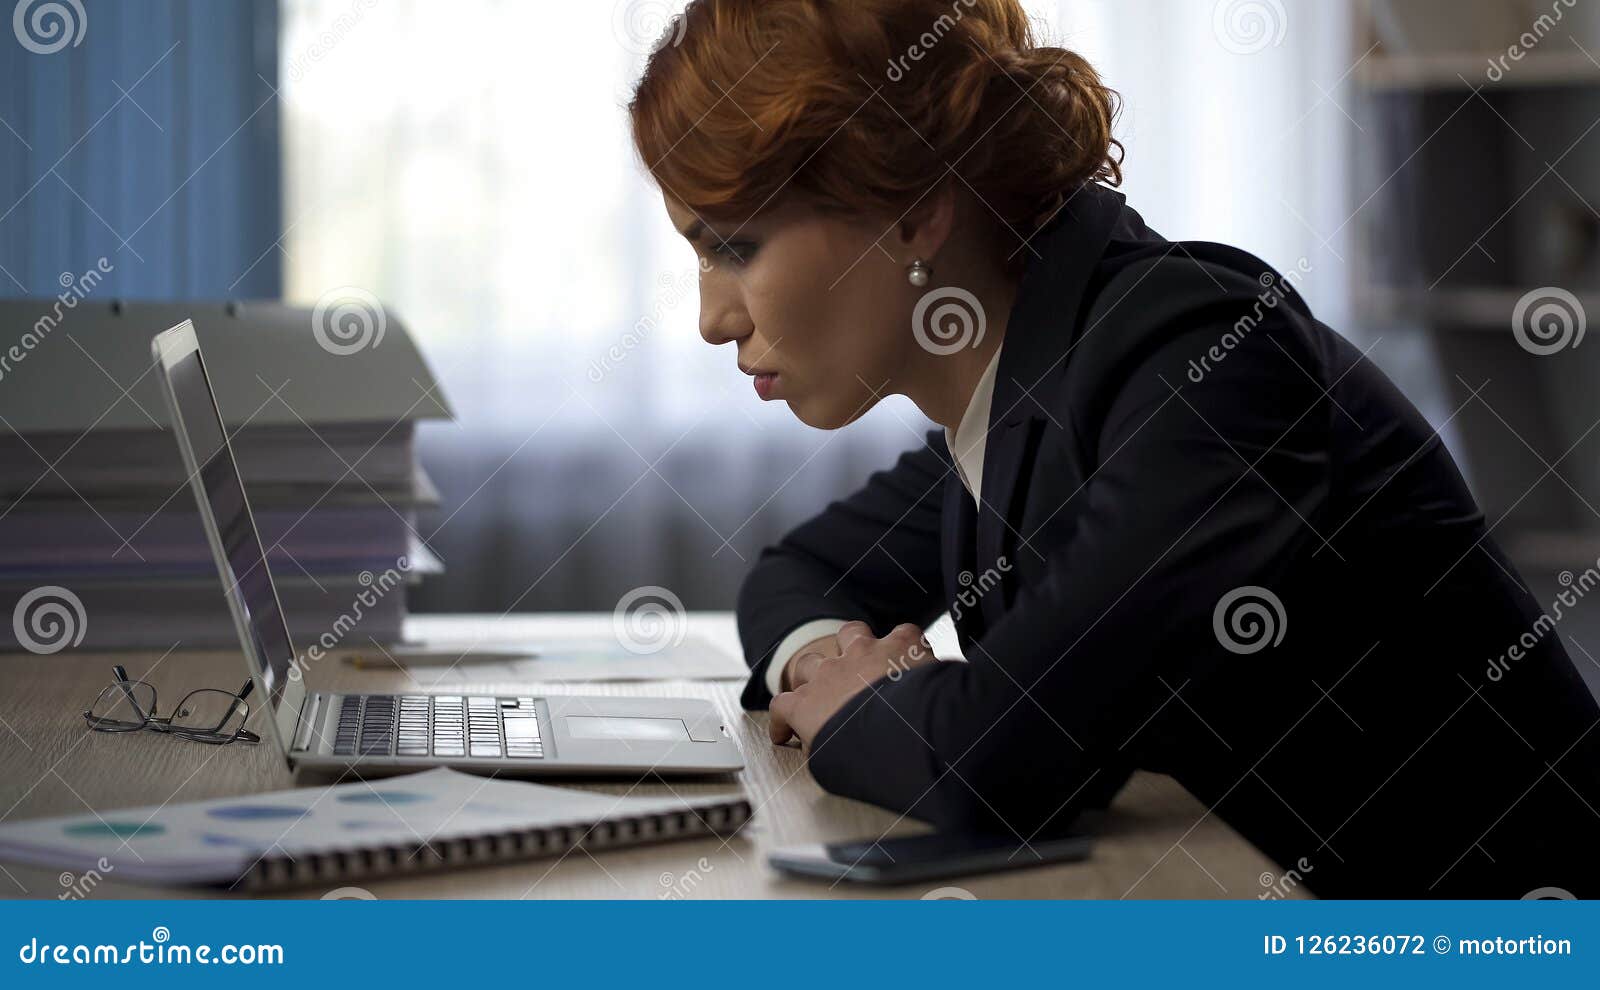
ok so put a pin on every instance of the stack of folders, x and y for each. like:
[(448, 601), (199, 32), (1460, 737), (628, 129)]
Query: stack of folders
[(100, 537)]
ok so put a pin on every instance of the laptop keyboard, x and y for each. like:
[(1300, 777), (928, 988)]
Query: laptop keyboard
[(447, 726)]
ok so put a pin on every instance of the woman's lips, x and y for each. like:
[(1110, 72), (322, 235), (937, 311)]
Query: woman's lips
[(766, 383)]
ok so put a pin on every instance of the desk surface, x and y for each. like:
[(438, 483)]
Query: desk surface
[(1158, 841)]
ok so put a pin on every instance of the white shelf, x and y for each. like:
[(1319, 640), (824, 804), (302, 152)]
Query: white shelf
[(1464, 71), (1552, 551), (1465, 309)]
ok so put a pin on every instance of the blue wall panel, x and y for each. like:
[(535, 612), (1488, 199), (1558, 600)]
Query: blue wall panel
[(177, 183)]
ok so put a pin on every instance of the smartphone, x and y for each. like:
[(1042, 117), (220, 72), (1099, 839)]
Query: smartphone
[(924, 857)]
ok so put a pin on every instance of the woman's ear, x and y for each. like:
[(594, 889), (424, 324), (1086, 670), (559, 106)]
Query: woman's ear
[(927, 225)]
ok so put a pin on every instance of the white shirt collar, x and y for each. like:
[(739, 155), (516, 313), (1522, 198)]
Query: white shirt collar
[(971, 435)]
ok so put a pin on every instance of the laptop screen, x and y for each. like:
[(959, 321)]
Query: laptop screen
[(245, 575)]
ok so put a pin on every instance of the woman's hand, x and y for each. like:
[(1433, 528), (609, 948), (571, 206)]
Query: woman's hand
[(803, 664), (830, 682)]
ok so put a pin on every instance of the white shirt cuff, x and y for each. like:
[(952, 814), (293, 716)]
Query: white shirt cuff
[(790, 644)]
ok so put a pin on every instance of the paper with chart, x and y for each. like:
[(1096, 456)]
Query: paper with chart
[(447, 649), (217, 841)]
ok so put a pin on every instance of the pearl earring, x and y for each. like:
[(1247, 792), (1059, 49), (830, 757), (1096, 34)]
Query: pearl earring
[(918, 273)]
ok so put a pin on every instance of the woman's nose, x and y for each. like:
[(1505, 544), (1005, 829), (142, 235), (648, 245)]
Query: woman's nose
[(721, 322)]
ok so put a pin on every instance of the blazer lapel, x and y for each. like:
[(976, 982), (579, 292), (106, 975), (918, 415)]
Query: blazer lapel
[(1003, 461), (959, 529), (1038, 341)]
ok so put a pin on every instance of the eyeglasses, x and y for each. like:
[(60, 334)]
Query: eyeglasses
[(208, 715)]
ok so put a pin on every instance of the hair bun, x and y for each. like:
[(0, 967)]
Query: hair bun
[(864, 106)]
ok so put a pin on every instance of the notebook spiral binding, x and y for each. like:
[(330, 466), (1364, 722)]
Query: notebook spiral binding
[(399, 859)]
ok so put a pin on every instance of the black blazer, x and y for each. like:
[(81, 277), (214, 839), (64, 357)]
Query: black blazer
[(1171, 425)]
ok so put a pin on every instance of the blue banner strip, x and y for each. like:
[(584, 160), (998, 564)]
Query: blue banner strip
[(714, 943)]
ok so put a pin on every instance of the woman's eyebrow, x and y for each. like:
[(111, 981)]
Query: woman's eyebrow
[(695, 231)]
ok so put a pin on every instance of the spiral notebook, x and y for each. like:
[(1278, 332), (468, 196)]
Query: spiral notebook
[(355, 831)]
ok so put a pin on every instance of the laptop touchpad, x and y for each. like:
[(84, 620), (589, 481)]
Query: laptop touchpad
[(629, 728)]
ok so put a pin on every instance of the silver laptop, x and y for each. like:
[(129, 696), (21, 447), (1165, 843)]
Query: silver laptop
[(525, 734)]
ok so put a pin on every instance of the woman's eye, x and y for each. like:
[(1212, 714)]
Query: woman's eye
[(734, 252)]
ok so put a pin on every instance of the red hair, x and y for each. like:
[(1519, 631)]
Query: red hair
[(864, 106)]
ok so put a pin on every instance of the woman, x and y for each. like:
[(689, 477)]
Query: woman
[(1181, 525)]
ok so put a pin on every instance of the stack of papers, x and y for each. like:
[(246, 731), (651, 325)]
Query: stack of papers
[(95, 506)]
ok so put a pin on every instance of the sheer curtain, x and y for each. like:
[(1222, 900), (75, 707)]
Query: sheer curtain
[(469, 164), (488, 191), (1234, 122), (1238, 122)]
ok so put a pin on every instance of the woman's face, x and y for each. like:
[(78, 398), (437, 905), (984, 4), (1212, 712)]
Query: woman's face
[(815, 307)]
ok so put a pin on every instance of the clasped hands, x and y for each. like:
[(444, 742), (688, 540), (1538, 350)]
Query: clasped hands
[(827, 672)]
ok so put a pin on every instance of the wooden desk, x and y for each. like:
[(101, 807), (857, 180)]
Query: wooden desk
[(1158, 841)]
